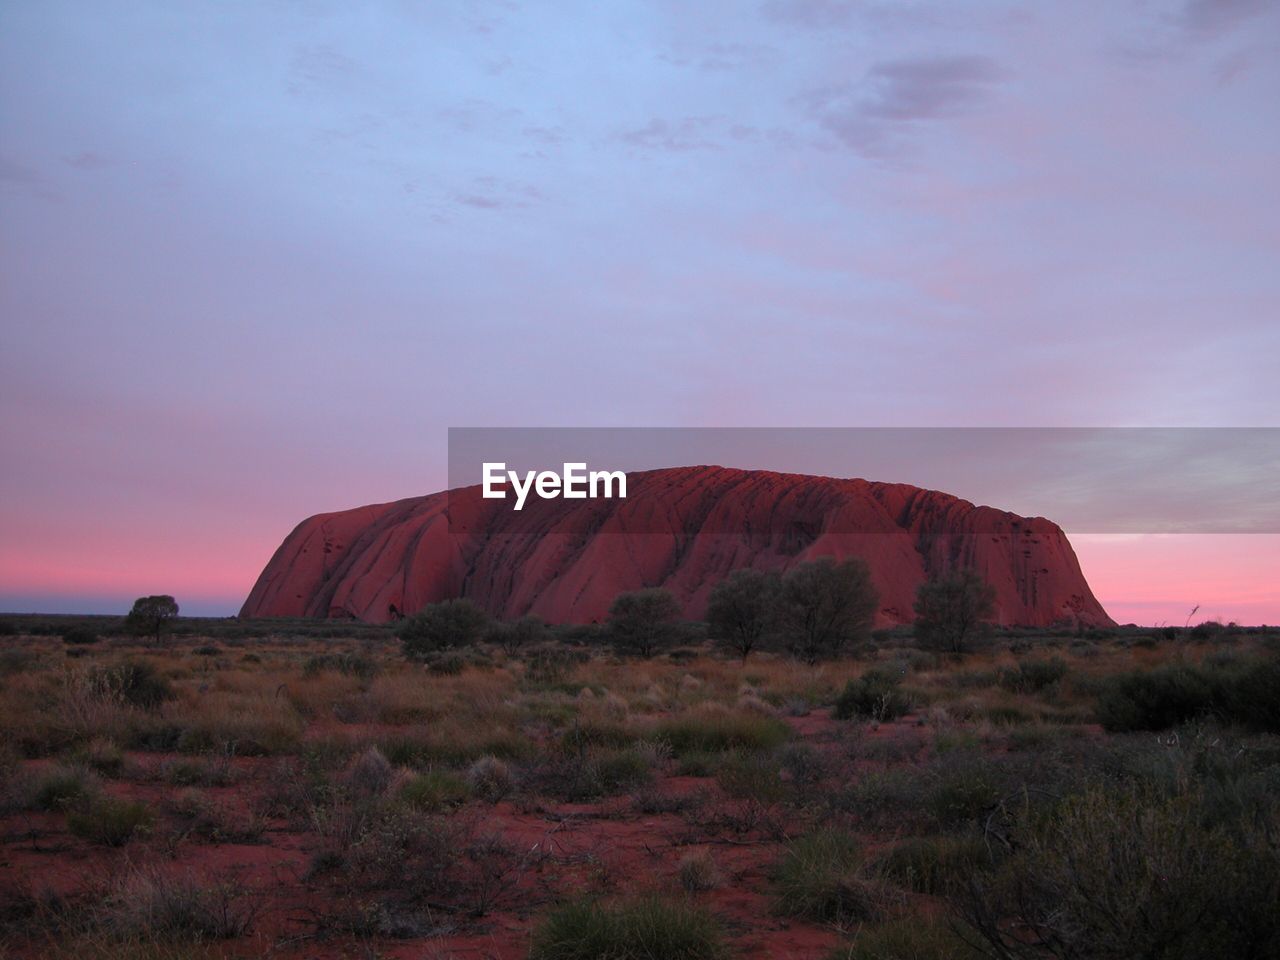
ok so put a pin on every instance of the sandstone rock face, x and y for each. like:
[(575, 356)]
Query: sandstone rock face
[(684, 529)]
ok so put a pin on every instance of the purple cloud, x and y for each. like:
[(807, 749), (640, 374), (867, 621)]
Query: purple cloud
[(690, 133), (899, 92), (1207, 18), (817, 14), (87, 160)]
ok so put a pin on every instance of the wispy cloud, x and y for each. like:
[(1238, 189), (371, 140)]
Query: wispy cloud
[(494, 193), (868, 115), (722, 57), (689, 133), (19, 176), (316, 69), (87, 160), (818, 14), (1208, 18)]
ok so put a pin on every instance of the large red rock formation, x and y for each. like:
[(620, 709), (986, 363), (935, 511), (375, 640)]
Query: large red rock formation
[(684, 529)]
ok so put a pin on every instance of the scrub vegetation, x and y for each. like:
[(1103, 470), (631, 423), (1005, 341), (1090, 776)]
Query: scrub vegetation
[(466, 788)]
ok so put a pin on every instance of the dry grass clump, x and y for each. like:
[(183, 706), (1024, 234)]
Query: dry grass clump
[(368, 774), (640, 929), (110, 821), (434, 791), (824, 876), (59, 787), (489, 778), (698, 872), (199, 815), (913, 938), (149, 902), (232, 723), (1115, 870), (713, 728)]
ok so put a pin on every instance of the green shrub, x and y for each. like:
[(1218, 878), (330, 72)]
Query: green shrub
[(102, 756), (964, 788), (445, 664), (1007, 714), (1155, 699), (953, 611), (617, 771), (79, 636), (698, 763), (1033, 676), (517, 635), (1122, 872), (61, 786), (434, 790), (644, 621), (441, 626), (647, 928), (934, 865), (490, 779), (348, 664), (888, 799), (1254, 696), (1243, 691), (909, 938), (822, 877), (698, 872), (752, 776), (589, 774), (716, 732), (150, 903), (136, 682), (109, 821), (876, 695)]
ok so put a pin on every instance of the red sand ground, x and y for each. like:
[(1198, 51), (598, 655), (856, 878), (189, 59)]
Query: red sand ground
[(604, 843)]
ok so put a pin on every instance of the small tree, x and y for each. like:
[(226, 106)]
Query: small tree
[(441, 626), (954, 611), (643, 620), (824, 607), (740, 610), (150, 615), (517, 635)]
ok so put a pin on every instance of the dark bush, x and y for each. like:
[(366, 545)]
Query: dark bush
[(442, 626), (1155, 699), (110, 822), (876, 695), (822, 877), (1254, 696), (644, 621), (1247, 692), (79, 636), (825, 607), (1122, 872), (935, 865), (716, 732), (136, 682), (741, 610), (151, 615), (61, 786), (517, 635), (649, 928), (1033, 676), (953, 611)]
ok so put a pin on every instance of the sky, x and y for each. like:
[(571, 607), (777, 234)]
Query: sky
[(257, 257)]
